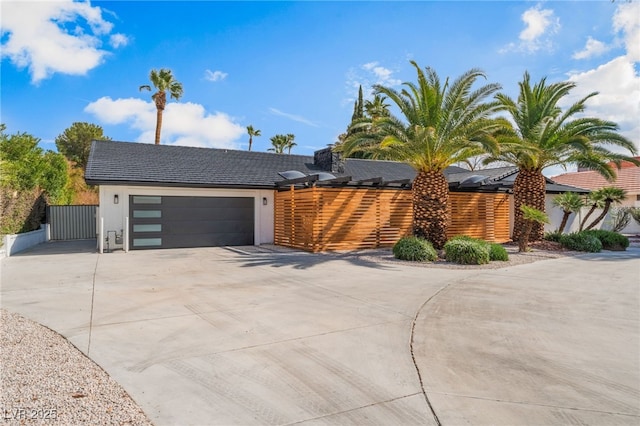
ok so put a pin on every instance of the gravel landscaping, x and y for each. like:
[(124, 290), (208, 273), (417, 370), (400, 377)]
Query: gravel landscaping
[(46, 380)]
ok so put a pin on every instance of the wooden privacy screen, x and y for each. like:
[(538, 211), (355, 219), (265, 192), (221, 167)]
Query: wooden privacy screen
[(479, 215), (318, 219)]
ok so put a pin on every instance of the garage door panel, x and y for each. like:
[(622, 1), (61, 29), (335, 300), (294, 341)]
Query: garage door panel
[(207, 240), (202, 214), (207, 227), (177, 222)]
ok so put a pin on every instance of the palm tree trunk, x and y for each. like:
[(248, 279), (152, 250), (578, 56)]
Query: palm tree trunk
[(250, 142), (589, 213), (158, 125), (160, 99), (529, 189), (523, 241), (597, 220), (431, 207), (565, 218)]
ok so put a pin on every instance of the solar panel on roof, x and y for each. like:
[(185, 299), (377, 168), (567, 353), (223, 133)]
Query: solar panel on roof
[(473, 180), (292, 174), (325, 176)]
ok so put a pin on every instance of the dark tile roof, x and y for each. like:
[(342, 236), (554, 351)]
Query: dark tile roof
[(129, 163), (146, 164), (126, 163)]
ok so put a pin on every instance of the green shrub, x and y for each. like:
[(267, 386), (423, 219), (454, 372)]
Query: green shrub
[(610, 240), (414, 249), (581, 241), (554, 236), (463, 238), (497, 252), (467, 251)]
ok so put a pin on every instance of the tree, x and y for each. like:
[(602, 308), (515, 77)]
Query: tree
[(377, 108), (75, 142), (441, 124), (279, 144), (543, 135), (358, 107), (162, 81), (531, 217), (569, 202), (252, 132), (606, 197), (290, 143), (30, 177)]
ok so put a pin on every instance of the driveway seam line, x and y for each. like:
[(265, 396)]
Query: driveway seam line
[(373, 404), (93, 294), (413, 356), (537, 404)]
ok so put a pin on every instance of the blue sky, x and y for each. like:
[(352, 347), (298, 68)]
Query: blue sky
[(293, 67)]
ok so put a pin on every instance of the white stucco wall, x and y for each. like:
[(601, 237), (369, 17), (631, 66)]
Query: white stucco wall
[(114, 215), (573, 224)]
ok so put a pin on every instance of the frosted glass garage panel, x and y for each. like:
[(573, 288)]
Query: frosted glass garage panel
[(145, 199), (153, 214), (156, 227), (147, 242)]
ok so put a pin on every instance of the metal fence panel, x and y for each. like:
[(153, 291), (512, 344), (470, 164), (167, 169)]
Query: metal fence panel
[(72, 222)]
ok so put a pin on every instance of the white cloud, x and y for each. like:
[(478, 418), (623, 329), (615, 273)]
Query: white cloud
[(185, 124), (54, 37), (293, 117), (382, 75), (591, 49), (618, 100), (215, 75), (617, 81), (540, 25), (367, 75), (118, 40), (627, 21)]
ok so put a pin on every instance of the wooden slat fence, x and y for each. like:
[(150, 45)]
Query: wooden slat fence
[(479, 215), (320, 219)]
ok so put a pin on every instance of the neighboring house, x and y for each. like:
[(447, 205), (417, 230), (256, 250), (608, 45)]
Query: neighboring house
[(628, 178), (170, 196)]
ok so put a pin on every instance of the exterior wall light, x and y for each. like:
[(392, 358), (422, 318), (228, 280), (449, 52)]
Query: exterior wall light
[(264, 201), (116, 199)]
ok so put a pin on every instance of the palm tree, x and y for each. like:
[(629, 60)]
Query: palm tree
[(377, 107), (531, 217), (543, 135), (162, 81), (279, 143), (290, 143), (569, 202), (597, 202), (442, 125), (252, 133), (608, 195)]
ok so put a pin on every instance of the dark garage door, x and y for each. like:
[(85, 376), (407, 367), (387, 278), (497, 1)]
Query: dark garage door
[(173, 222)]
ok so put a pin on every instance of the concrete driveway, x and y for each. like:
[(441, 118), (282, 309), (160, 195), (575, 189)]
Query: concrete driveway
[(249, 336)]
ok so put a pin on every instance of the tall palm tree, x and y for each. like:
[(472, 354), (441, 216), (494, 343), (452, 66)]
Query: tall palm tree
[(569, 202), (543, 135), (279, 144), (162, 81), (608, 195), (252, 133), (441, 124), (290, 143)]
